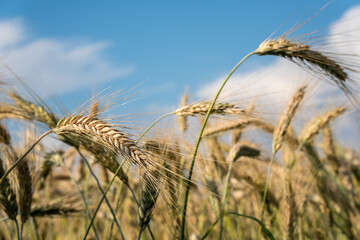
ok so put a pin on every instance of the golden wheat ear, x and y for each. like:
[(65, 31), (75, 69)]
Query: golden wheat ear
[(308, 58), (104, 133)]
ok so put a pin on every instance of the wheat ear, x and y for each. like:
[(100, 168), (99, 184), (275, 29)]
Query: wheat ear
[(317, 124), (149, 196), (238, 125), (106, 134), (33, 111), (286, 119), (203, 107), (7, 196), (298, 51)]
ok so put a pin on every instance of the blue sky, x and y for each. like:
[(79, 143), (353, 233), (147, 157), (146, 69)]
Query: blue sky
[(89, 46)]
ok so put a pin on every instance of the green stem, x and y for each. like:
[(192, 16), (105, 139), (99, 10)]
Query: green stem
[(265, 191), (182, 234), (87, 211), (117, 205), (102, 199), (101, 190), (267, 231), (23, 156), (266, 187), (268, 182), (132, 192), (17, 229), (226, 188)]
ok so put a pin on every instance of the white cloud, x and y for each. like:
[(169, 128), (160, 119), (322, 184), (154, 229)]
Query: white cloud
[(345, 33), (54, 64), (11, 33), (277, 82)]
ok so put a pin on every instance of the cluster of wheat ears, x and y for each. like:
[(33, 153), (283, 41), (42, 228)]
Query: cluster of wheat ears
[(308, 188)]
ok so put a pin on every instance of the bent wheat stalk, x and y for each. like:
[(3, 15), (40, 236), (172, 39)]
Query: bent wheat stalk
[(182, 233), (278, 137)]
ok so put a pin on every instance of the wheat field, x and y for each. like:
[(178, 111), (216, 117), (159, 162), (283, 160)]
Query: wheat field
[(224, 169)]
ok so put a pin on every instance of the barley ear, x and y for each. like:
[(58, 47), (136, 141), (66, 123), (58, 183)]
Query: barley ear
[(149, 195), (286, 119), (203, 107), (7, 196), (317, 124), (307, 57)]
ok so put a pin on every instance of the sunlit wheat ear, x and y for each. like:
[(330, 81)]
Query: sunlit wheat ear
[(182, 120), (286, 119), (103, 133), (34, 111), (149, 196), (203, 107), (222, 127), (329, 147), (317, 124), (303, 54), (94, 110), (50, 160)]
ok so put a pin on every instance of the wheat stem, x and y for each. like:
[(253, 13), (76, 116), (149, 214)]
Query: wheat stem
[(100, 188), (87, 211), (17, 230), (182, 234), (153, 124), (102, 199), (225, 193), (117, 205)]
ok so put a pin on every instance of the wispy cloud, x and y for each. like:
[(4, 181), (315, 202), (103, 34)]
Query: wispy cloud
[(55, 64), (276, 82), (283, 77)]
